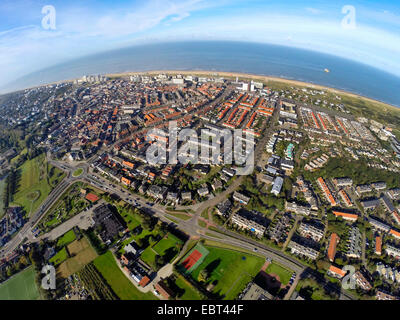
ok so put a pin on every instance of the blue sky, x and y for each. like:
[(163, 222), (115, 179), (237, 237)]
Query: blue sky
[(87, 26)]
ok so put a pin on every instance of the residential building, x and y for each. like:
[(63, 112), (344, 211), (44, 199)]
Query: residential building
[(248, 221), (303, 250), (343, 182), (277, 186), (393, 251), (378, 224), (332, 246), (241, 198), (310, 230), (336, 272), (326, 191), (354, 243), (381, 295), (362, 282), (296, 208), (346, 216)]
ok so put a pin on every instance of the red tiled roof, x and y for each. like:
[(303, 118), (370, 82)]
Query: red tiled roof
[(332, 246), (92, 197)]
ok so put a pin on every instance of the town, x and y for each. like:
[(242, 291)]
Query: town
[(80, 194)]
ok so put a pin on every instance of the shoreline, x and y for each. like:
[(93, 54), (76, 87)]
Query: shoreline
[(251, 76), (263, 78)]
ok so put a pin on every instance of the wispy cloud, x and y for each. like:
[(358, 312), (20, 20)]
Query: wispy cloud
[(82, 30), (314, 10)]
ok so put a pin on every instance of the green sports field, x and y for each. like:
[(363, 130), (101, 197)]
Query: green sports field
[(230, 270), (22, 286), (37, 178)]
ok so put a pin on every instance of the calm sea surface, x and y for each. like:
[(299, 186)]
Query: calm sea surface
[(253, 58)]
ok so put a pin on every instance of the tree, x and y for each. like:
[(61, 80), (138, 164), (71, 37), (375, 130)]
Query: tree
[(159, 260), (203, 275)]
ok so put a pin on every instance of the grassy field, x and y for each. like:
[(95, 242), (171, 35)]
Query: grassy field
[(132, 220), (36, 182), (149, 256), (81, 253), (77, 172), (230, 270), (118, 282), (66, 238), (284, 274), (169, 241), (160, 248), (61, 256), (22, 286), (190, 293)]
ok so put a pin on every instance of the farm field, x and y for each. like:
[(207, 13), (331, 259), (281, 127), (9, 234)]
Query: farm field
[(22, 286), (118, 282), (81, 253), (229, 270), (276, 269), (37, 179)]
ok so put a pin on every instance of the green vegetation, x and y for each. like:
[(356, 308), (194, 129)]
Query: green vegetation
[(66, 238), (61, 256), (69, 204), (35, 180), (20, 287), (95, 283), (118, 282), (162, 252), (81, 253), (311, 290), (3, 185), (202, 223), (276, 269), (229, 271), (77, 172), (190, 292), (357, 170)]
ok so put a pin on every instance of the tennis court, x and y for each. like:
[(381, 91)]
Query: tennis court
[(194, 258)]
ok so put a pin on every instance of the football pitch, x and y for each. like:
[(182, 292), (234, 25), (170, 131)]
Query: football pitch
[(22, 286)]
